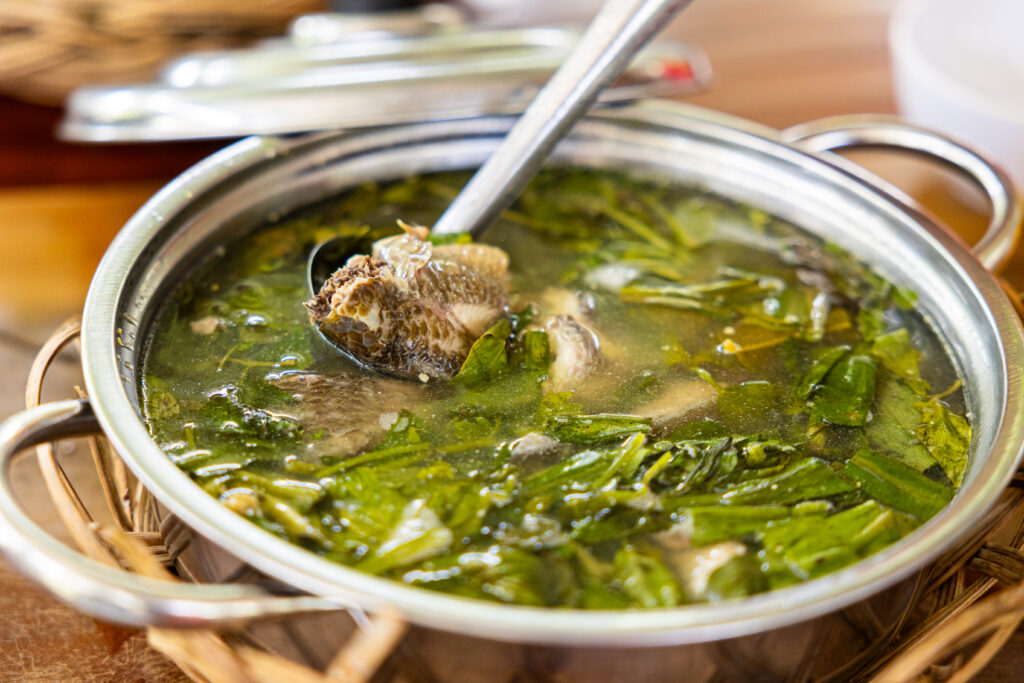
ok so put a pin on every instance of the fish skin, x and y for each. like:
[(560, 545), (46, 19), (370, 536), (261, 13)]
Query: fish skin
[(412, 309)]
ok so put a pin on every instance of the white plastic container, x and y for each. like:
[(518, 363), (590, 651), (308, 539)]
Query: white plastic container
[(958, 66)]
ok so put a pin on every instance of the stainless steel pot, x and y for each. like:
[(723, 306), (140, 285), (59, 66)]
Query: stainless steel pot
[(788, 174)]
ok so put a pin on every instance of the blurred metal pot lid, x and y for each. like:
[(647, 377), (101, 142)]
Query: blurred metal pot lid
[(359, 70)]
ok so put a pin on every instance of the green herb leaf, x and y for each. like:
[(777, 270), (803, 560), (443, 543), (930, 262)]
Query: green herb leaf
[(896, 485), (488, 357), (595, 429), (947, 437), (535, 356), (257, 426), (903, 297), (294, 523), (821, 367), (439, 239), (737, 578), (418, 535), (896, 352), (367, 507), (712, 524), (693, 223), (708, 460), (804, 479), (810, 546), (896, 419), (582, 467), (645, 579), (625, 460), (556, 404), (162, 405), (848, 391), (870, 322)]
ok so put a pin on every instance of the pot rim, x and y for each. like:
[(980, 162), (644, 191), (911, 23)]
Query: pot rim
[(108, 382)]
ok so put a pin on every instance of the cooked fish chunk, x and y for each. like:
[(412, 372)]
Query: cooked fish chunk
[(562, 301), (532, 444), (412, 309), (575, 353), (694, 566), (679, 402), (351, 410)]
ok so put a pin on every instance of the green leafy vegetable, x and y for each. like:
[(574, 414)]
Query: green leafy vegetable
[(847, 393), (253, 424), (947, 437), (896, 419), (896, 352), (488, 358), (809, 546), (802, 480), (715, 524), (870, 322), (645, 579), (737, 578), (821, 367), (896, 485), (595, 429), (581, 467)]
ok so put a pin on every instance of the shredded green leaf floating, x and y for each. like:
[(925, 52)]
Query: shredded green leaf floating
[(891, 482), (488, 357), (807, 546), (896, 352), (595, 429), (826, 360), (894, 429), (947, 437), (847, 392), (645, 578)]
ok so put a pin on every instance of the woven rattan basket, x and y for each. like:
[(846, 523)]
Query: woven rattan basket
[(50, 47), (963, 608)]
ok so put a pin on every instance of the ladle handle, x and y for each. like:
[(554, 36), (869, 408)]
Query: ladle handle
[(105, 592), (890, 132), (604, 50)]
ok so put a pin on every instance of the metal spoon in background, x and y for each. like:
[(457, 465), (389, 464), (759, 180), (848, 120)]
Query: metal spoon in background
[(620, 29)]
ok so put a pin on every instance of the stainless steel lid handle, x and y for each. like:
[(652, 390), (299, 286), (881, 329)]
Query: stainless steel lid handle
[(105, 592), (890, 132)]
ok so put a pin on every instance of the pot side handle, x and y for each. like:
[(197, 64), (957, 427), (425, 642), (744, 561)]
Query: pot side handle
[(104, 592), (891, 132)]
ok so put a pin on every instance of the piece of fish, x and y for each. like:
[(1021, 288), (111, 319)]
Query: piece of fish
[(694, 566), (679, 402), (580, 306), (349, 409), (562, 301), (533, 444), (412, 309), (575, 353)]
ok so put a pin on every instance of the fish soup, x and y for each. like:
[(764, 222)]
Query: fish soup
[(645, 396)]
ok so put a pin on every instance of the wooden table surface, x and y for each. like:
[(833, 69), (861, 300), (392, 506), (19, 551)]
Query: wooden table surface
[(779, 62)]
